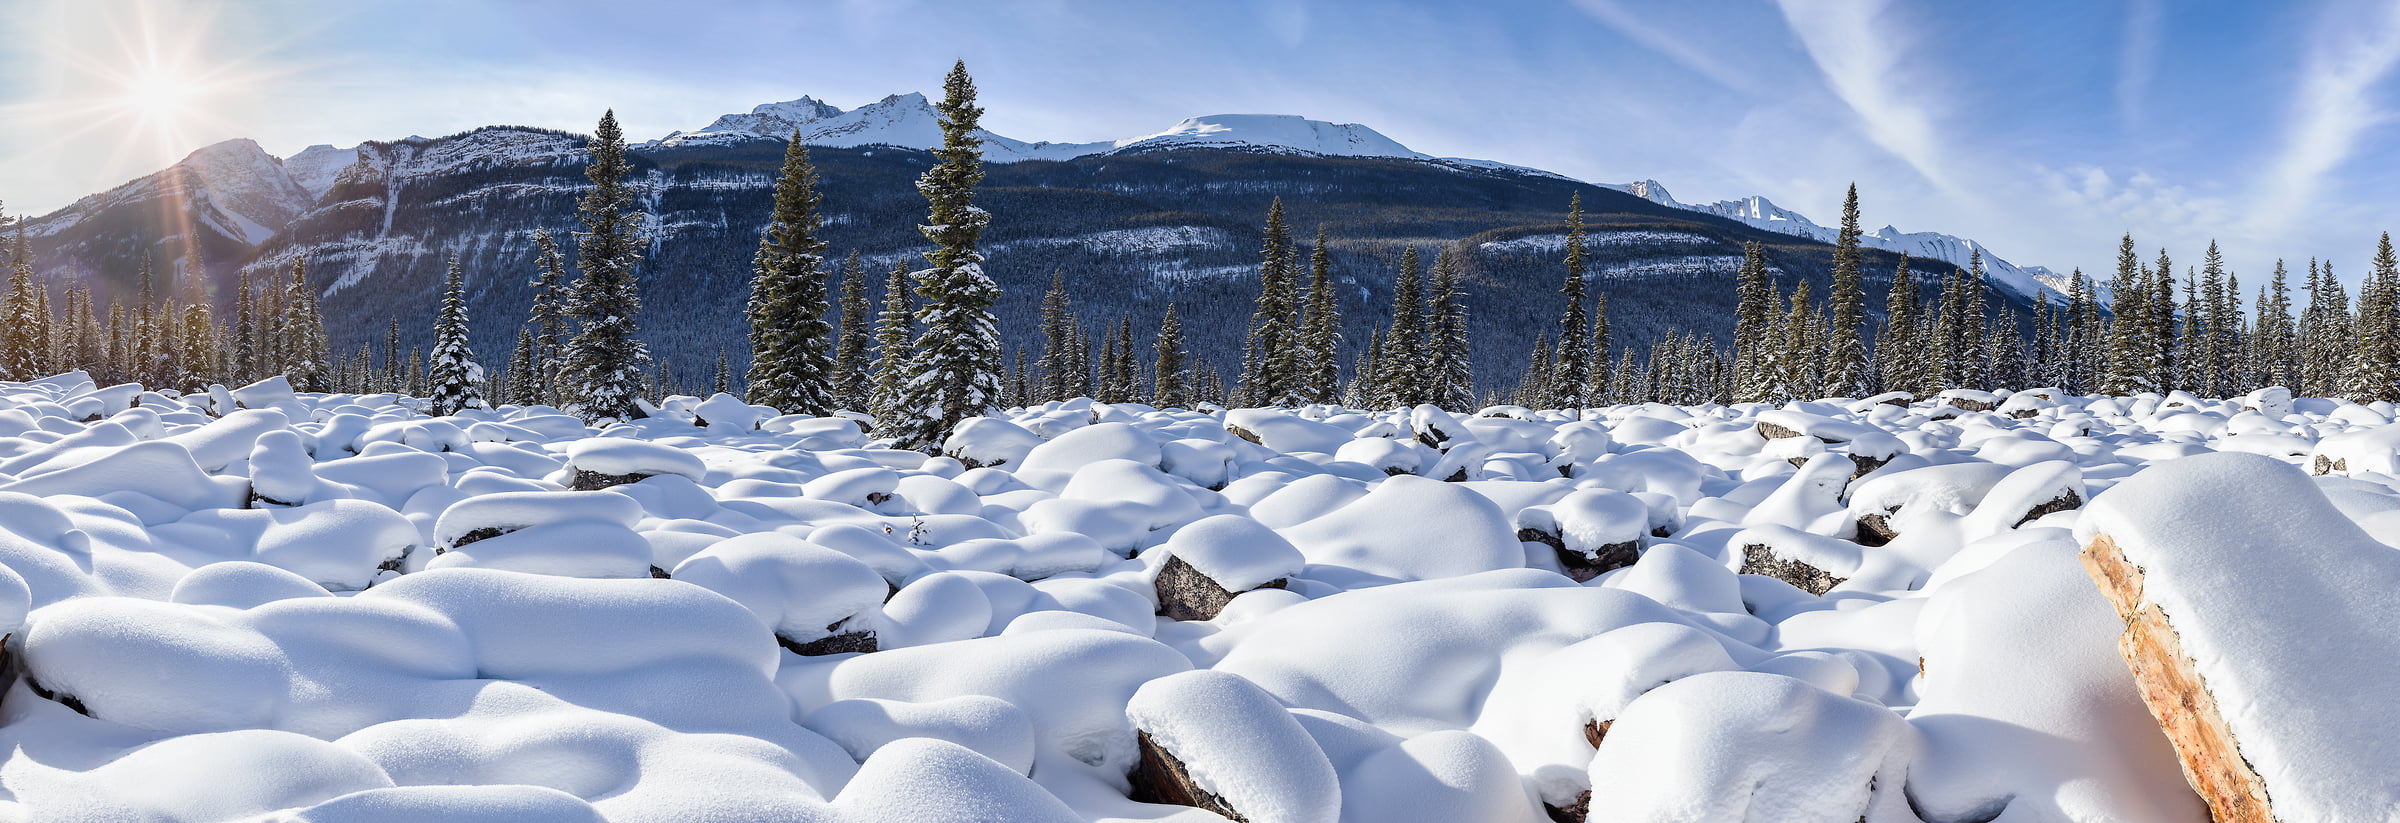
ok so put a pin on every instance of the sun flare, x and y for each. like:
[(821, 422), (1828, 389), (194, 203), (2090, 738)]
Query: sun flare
[(158, 94)]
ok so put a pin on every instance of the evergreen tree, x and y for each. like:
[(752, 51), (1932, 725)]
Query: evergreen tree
[(605, 361), (19, 335), (524, 369), (457, 380), (1059, 360), (1533, 387), (2133, 356), (2375, 370), (2083, 337), (1572, 369), (1125, 373), (307, 355), (1272, 375), (1321, 329), (723, 384), (892, 350), (548, 317), (2162, 323), (853, 381), (1168, 386), (1599, 344), (395, 375), (791, 343), (2278, 356), (1452, 377), (1846, 366), (415, 376), (1365, 389), (1899, 355), (1754, 320), (957, 371), (1801, 344), (1404, 381)]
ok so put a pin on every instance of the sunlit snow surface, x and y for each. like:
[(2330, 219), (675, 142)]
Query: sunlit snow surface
[(331, 607)]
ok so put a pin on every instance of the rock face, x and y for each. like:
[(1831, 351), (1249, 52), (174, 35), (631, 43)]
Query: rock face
[(1580, 566), (840, 642), (591, 481), (1760, 559), (1163, 779), (2176, 693), (1184, 593)]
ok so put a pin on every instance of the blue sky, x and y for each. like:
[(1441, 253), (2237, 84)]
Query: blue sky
[(2043, 128)]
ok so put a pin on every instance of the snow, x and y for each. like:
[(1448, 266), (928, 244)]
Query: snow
[(2269, 587), (332, 607)]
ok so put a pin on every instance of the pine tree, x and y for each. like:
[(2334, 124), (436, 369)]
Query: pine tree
[(2083, 336), (307, 355), (1753, 320), (1800, 347), (1058, 342), (2375, 370), (18, 325), (1404, 358), (1533, 387), (2162, 322), (892, 332), (1321, 329), (457, 380), (548, 317), (415, 376), (2133, 356), (723, 384), (1899, 352), (1573, 369), (1452, 377), (1846, 366), (605, 361), (1124, 373), (2278, 356), (853, 381), (1168, 387), (1599, 344), (1365, 389), (524, 369), (791, 344), (1272, 377), (957, 371), (395, 375)]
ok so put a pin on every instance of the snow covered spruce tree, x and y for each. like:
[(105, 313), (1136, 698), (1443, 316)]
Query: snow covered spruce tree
[(1846, 351), (1401, 378), (1271, 373), (892, 353), (1899, 356), (457, 380), (1321, 328), (524, 383), (956, 374), (19, 324), (605, 361), (853, 382), (306, 355), (1452, 372), (1169, 385), (1058, 342), (791, 344), (1599, 343), (2375, 363), (1753, 324), (548, 319), (1571, 368)]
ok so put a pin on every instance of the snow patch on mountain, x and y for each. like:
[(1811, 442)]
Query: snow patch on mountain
[(1759, 212), (317, 167), (1288, 132), (234, 187)]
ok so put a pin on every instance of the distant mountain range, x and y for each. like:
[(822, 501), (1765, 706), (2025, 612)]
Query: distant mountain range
[(1134, 223)]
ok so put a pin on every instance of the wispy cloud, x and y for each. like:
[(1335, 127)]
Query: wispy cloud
[(1859, 53), (1715, 67), (2333, 105), (2137, 60)]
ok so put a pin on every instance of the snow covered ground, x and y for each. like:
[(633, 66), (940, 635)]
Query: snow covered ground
[(251, 605)]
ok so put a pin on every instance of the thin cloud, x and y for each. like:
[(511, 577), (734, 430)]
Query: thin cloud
[(1859, 57), (1699, 61), (2137, 61), (2333, 105)]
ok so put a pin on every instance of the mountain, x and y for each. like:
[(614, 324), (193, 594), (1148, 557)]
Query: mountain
[(224, 199), (1132, 224), (2025, 282)]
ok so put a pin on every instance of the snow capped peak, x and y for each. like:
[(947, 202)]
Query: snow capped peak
[(776, 118), (1652, 191), (315, 168), (1288, 132)]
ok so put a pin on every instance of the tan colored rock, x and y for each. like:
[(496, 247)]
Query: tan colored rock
[(2177, 695)]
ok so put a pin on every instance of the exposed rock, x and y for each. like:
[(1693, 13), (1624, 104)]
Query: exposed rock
[(1184, 593), (2064, 502), (1163, 779), (589, 481), (1875, 529), (2324, 465), (1243, 433), (1757, 558), (1773, 432), (485, 533), (2172, 687), (657, 573), (1580, 566), (840, 642)]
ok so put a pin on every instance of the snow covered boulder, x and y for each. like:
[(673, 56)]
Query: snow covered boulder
[(572, 534), (2253, 621), (596, 463), (1593, 531), (1811, 563), (727, 413), (981, 442), (266, 393), (1283, 432), (1213, 741), (818, 601), (1411, 528), (1092, 444), (1214, 559), (1970, 400), (1746, 747)]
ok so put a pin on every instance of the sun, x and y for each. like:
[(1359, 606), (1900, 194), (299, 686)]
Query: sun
[(159, 95)]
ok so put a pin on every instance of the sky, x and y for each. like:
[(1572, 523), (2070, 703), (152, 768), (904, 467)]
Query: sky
[(2045, 129)]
